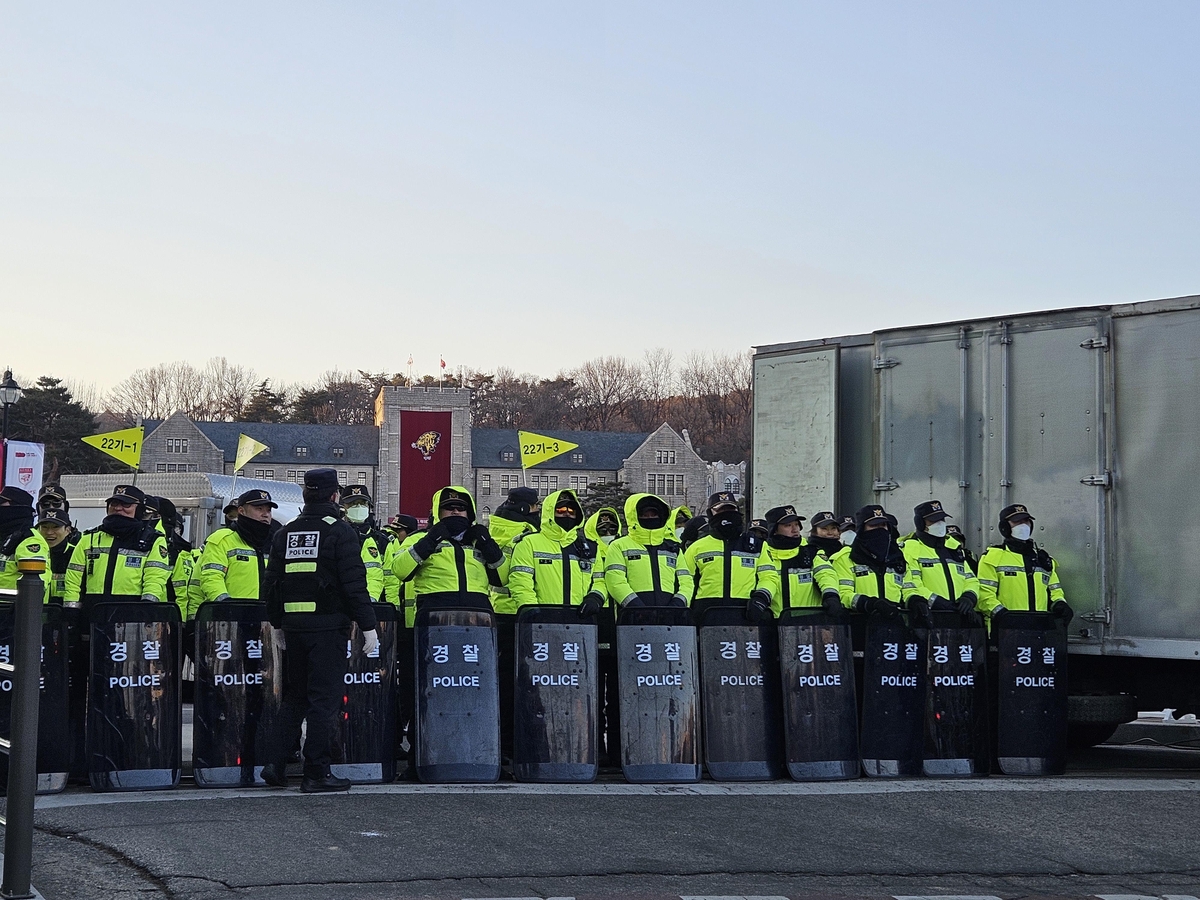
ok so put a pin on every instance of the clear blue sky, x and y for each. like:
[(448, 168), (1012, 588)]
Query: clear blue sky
[(303, 186)]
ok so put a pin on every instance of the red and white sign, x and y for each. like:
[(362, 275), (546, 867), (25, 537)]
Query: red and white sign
[(23, 463)]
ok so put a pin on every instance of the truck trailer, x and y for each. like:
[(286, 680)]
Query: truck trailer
[(1089, 416)]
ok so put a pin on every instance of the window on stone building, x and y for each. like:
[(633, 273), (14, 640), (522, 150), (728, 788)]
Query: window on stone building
[(362, 477), (577, 457), (177, 445), (733, 485), (579, 484), (301, 451), (664, 457), (339, 452), (343, 476), (544, 484), (485, 484), (508, 455), (161, 467), (291, 474), (665, 485), (269, 474), (508, 482)]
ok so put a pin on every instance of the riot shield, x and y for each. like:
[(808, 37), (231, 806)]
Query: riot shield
[(54, 747), (79, 660), (239, 687), (457, 713), (134, 726), (1032, 697), (740, 697), (893, 711), (557, 696), (956, 708), (368, 721), (659, 695), (820, 713)]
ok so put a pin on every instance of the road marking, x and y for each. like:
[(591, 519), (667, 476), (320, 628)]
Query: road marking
[(946, 897), (1144, 897), (865, 786), (728, 897), (518, 898)]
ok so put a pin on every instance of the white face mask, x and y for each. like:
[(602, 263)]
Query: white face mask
[(1022, 532), (358, 514), (608, 538), (937, 529), (679, 534), (848, 537)]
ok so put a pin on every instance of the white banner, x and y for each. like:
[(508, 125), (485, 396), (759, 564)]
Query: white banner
[(23, 465)]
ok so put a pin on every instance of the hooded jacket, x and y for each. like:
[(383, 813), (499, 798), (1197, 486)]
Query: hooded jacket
[(508, 523), (730, 570), (673, 524), (592, 534), (938, 566), (862, 575), (447, 571), (553, 566), (646, 561)]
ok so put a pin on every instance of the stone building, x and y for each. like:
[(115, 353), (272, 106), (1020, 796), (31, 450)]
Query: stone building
[(723, 476), (178, 444)]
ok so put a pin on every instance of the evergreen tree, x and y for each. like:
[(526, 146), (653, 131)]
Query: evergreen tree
[(48, 414)]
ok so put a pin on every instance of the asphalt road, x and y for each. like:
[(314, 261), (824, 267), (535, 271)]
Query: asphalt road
[(1122, 822)]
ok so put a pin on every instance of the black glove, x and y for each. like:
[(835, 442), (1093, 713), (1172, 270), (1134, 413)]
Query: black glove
[(634, 602), (592, 604), (429, 543), (966, 603), (831, 602), (883, 608), (941, 604), (1062, 610), (489, 550), (998, 612), (676, 603), (757, 606), (918, 610)]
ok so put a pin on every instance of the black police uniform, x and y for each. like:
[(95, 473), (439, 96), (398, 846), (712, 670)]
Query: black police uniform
[(315, 584)]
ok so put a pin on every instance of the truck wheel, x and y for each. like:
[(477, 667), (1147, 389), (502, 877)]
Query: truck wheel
[(1093, 718)]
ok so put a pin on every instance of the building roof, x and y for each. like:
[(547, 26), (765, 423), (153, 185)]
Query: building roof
[(602, 450), (359, 443)]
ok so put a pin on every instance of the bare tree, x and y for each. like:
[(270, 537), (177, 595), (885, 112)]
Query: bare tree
[(608, 387), (657, 386)]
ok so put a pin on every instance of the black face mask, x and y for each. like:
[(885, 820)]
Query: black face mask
[(566, 523), (829, 545), (877, 542), (456, 525), (650, 523), (779, 542), (726, 525), (15, 518), (256, 533), (122, 526)]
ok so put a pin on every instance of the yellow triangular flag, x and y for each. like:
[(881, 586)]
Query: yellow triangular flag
[(537, 448), (248, 448), (125, 445)]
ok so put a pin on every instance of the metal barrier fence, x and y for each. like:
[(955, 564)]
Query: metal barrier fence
[(22, 743)]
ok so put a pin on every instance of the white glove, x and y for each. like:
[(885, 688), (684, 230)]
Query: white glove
[(280, 640), (370, 642)]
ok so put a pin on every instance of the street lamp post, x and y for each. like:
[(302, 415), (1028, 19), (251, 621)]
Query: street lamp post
[(10, 393)]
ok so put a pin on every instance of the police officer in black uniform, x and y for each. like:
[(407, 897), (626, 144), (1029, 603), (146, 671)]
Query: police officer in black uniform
[(315, 584)]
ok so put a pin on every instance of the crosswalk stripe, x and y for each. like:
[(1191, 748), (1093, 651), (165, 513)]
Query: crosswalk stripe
[(946, 897)]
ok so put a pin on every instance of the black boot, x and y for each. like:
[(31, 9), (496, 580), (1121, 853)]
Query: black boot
[(275, 774), (323, 784)]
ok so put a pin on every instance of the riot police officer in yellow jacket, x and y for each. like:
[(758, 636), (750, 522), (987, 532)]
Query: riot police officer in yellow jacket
[(874, 576), (356, 501), (646, 567), (555, 564), (807, 578), (731, 563), (18, 539), (1018, 574), (125, 556), (938, 564)]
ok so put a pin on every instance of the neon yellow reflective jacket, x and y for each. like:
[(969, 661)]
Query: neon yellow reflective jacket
[(552, 566), (944, 574), (645, 561), (450, 569), (31, 546), (805, 574), (230, 569), (505, 531), (857, 580), (98, 567), (1023, 584), (730, 570)]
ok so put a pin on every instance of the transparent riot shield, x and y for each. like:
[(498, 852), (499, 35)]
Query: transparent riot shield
[(740, 697), (368, 722), (457, 712), (557, 696), (893, 711), (239, 687), (820, 712), (1032, 696), (659, 695), (956, 705), (134, 726), (54, 747)]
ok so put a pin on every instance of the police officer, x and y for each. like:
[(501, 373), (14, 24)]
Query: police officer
[(957, 533), (162, 512), (450, 562), (356, 500), (315, 583), (125, 556), (937, 562), (602, 528), (399, 594), (54, 526), (806, 577), (731, 564), (1017, 574), (646, 567), (846, 532), (18, 540), (874, 576), (234, 559), (760, 529), (53, 497), (678, 520), (398, 529), (570, 578)]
